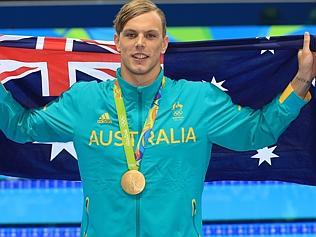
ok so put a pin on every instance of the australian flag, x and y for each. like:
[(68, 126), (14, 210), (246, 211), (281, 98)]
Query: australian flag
[(252, 71)]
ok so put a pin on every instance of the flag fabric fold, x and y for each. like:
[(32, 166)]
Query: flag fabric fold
[(252, 71)]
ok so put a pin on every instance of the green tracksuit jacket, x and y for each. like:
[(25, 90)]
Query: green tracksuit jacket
[(192, 116)]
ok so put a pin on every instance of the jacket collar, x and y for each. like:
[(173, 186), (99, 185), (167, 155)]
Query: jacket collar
[(131, 92)]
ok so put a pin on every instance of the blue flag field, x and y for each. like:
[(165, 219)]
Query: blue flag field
[(36, 70)]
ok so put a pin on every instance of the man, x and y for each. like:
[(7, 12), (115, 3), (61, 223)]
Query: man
[(143, 147)]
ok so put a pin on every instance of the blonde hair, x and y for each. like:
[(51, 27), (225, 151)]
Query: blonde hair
[(135, 8)]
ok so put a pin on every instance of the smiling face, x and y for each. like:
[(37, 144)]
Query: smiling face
[(141, 43)]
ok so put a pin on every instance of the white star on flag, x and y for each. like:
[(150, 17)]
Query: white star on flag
[(218, 84), (265, 155), (313, 82), (267, 50), (58, 147)]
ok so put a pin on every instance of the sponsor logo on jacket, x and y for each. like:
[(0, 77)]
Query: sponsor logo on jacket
[(104, 118)]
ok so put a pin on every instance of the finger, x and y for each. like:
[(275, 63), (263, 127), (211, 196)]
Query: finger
[(307, 39), (299, 53)]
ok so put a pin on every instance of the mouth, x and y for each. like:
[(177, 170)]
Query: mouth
[(140, 56)]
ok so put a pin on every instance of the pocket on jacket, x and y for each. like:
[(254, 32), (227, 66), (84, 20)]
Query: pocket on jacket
[(86, 205), (194, 210)]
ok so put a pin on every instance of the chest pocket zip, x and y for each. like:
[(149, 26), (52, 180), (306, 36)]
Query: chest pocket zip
[(193, 216), (87, 203)]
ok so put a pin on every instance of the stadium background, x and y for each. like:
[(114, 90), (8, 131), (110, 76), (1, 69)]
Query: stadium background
[(271, 208)]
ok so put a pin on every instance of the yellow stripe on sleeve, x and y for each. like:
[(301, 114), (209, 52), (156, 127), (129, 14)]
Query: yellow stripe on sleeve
[(308, 96), (286, 93)]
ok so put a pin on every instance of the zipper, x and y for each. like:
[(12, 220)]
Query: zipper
[(193, 216), (140, 127), (137, 216), (86, 204)]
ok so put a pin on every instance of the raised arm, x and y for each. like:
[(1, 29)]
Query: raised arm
[(242, 128), (307, 68)]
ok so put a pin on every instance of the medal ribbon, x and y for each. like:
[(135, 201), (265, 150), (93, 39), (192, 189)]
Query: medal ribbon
[(133, 158)]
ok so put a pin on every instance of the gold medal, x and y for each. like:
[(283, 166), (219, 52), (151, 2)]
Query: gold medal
[(133, 182)]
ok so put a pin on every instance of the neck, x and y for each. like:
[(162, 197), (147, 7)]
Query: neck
[(140, 79)]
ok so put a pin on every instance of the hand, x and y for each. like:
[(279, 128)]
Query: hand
[(306, 68), (306, 60)]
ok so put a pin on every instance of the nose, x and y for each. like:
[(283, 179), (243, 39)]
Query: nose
[(140, 42)]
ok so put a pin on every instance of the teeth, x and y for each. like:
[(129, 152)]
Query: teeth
[(140, 56)]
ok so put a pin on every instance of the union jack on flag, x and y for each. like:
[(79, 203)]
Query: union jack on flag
[(57, 60), (38, 69)]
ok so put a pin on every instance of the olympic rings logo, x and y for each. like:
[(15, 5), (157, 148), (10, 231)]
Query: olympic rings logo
[(177, 113)]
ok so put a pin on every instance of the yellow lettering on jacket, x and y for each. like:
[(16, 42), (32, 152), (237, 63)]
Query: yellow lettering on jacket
[(133, 137), (191, 135), (109, 141), (162, 136), (182, 135), (94, 138), (173, 141), (150, 139), (118, 136), (108, 138)]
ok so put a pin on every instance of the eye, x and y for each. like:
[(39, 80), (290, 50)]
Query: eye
[(151, 36), (130, 35)]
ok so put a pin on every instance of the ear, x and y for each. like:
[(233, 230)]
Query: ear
[(165, 44), (117, 42)]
